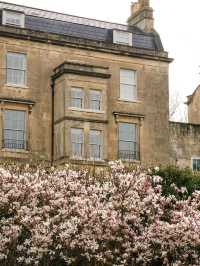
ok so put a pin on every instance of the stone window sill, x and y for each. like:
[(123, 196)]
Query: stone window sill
[(129, 101), (130, 161), (15, 150), (86, 110), (16, 86), (85, 161)]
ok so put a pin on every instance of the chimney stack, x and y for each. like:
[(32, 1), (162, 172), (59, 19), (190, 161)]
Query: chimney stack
[(142, 16)]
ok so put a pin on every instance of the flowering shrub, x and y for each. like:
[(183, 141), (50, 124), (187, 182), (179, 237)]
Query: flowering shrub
[(63, 217), (180, 177)]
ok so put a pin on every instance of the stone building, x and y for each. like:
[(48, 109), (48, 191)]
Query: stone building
[(82, 90), (194, 107), (185, 137)]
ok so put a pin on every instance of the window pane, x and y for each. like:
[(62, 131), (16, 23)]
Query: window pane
[(127, 132), (95, 137), (16, 61), (122, 37), (128, 141), (95, 152), (77, 149), (128, 92), (13, 18), (127, 145), (15, 77), (95, 105), (77, 142), (127, 76), (95, 100), (95, 144), (77, 92), (16, 69), (76, 103), (14, 129), (77, 97), (196, 164), (95, 95), (128, 89)]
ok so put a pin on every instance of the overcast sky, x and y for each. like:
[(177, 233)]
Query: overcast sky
[(176, 21)]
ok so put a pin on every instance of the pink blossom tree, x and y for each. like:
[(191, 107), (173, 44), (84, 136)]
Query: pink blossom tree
[(63, 217)]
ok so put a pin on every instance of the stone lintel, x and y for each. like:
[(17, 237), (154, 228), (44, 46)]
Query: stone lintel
[(140, 116), (17, 101), (80, 119), (29, 103)]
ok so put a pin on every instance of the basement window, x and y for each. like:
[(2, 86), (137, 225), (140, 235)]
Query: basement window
[(12, 18), (196, 164), (122, 37)]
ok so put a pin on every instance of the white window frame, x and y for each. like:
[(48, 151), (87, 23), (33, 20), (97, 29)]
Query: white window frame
[(73, 155), (20, 16), (91, 100), (123, 37), (24, 70), (129, 154), (132, 86), (194, 158), (77, 98), (14, 143), (100, 146)]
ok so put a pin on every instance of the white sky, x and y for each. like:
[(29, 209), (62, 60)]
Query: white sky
[(176, 21)]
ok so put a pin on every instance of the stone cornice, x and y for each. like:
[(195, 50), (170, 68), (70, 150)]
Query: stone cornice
[(97, 46), (17, 101), (81, 69)]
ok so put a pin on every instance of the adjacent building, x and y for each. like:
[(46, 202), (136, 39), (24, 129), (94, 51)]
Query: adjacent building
[(185, 137)]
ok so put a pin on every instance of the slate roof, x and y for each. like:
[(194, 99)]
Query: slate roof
[(63, 24)]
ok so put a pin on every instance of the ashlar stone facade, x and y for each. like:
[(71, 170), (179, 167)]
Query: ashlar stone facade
[(83, 91)]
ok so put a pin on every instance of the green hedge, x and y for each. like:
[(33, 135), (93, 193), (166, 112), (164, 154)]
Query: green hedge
[(180, 177)]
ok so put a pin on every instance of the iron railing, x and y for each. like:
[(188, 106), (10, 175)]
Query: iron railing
[(129, 155), (14, 144)]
